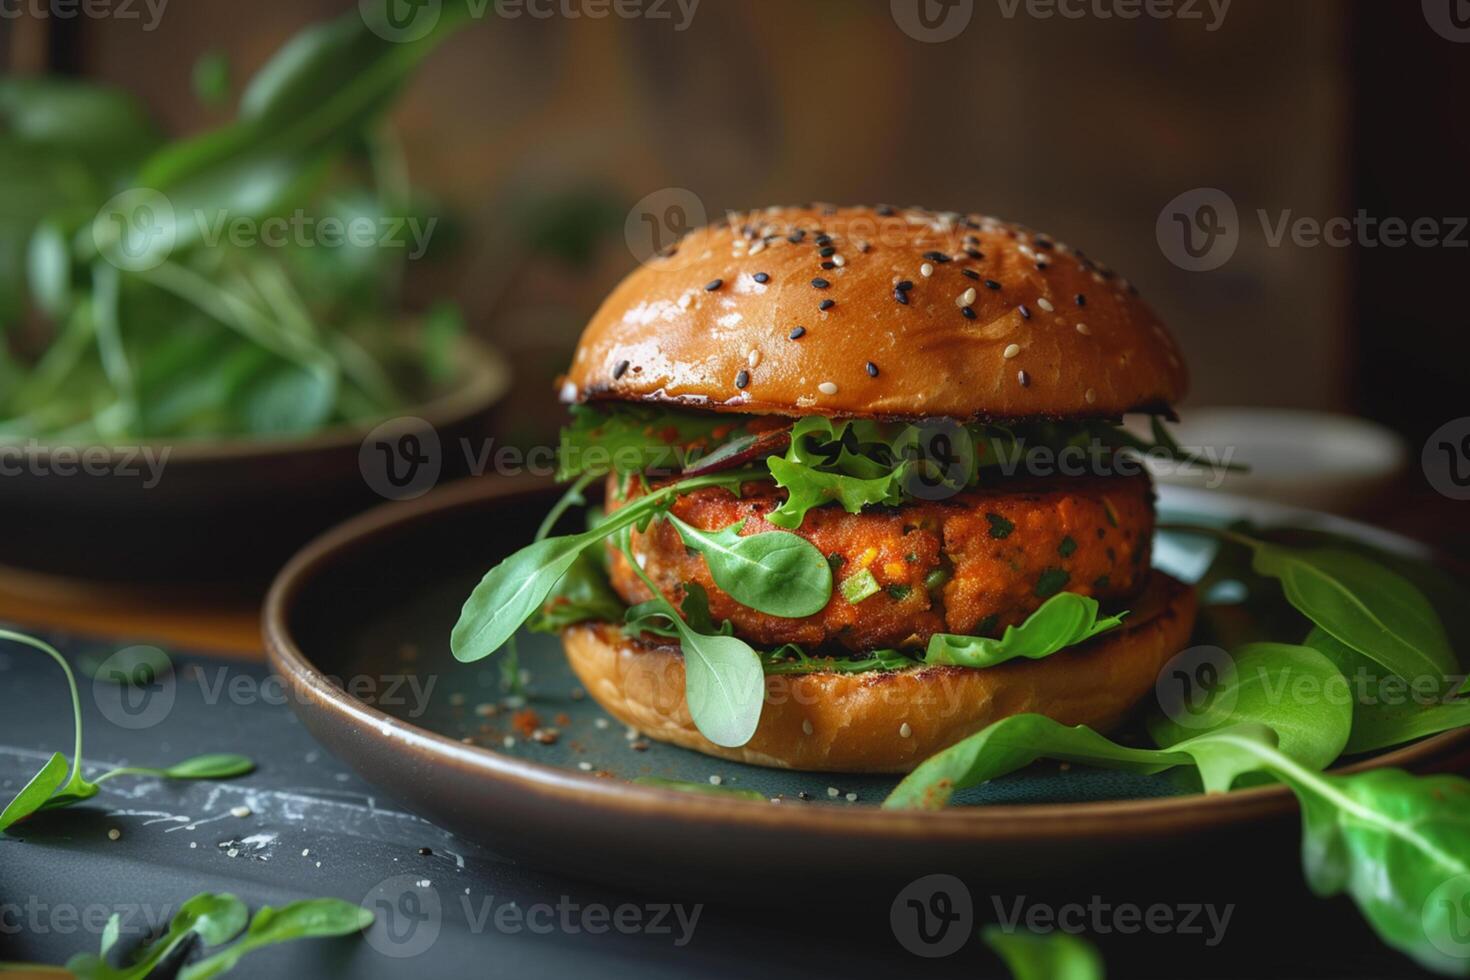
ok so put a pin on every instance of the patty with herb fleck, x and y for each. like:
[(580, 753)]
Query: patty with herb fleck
[(974, 564)]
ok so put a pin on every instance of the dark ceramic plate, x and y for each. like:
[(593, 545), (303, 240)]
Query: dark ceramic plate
[(370, 606), (210, 512)]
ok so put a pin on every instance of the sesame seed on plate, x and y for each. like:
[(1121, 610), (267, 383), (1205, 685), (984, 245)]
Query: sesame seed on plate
[(1084, 330), (796, 333), (715, 780), (1011, 351), (872, 369), (762, 277), (852, 797), (833, 792), (585, 766), (827, 388), (1045, 304), (967, 298), (713, 284)]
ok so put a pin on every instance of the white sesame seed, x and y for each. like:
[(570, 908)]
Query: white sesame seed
[(686, 301), (509, 741), (827, 388), (601, 723), (318, 864), (852, 797), (1011, 351), (305, 851), (193, 844), (1091, 396), (239, 811), (806, 726), (904, 731), (926, 270), (1045, 304), (967, 298), (833, 792), (753, 358), (233, 852), (758, 247), (585, 766), (114, 834), (715, 780), (839, 261), (1084, 330), (631, 734)]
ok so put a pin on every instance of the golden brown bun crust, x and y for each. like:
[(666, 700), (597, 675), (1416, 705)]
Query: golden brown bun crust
[(663, 336), (856, 720)]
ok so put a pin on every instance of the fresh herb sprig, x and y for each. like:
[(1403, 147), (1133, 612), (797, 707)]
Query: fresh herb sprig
[(1065, 620), (52, 787), (212, 920)]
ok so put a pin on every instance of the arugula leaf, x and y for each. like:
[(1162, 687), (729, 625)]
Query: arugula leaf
[(581, 595), (34, 794), (1051, 956), (1399, 844), (633, 439), (514, 590), (215, 919), (724, 685), (1386, 710), (775, 572), (1013, 743), (1359, 602), (1293, 690), (316, 918), (1064, 620)]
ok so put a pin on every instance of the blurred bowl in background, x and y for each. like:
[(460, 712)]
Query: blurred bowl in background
[(225, 511), (1317, 460)]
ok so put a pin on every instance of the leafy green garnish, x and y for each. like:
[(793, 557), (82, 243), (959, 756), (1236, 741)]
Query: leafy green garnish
[(637, 439), (775, 572), (706, 789), (793, 659), (582, 595), (51, 788), (1064, 620), (1050, 956), (849, 463)]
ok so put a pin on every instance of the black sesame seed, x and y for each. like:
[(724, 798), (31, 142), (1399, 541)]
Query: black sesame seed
[(1024, 378), (797, 333), (1042, 267), (823, 239), (885, 211), (1081, 300), (829, 264), (827, 252), (1045, 243), (762, 277), (872, 369), (826, 304), (796, 236), (425, 851), (820, 283), (991, 284), (936, 257), (620, 370), (905, 285), (974, 253), (742, 379), (969, 312), (1025, 311), (970, 274), (901, 296), (713, 284)]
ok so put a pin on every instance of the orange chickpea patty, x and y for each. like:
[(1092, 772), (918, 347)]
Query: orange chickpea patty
[(973, 564)]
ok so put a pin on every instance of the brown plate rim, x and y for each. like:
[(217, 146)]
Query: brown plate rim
[(1099, 821)]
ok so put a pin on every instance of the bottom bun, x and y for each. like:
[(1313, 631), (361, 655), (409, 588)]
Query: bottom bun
[(890, 721)]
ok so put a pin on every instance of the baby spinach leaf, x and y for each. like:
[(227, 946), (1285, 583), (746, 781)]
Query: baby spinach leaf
[(776, 572), (1388, 710), (315, 918), (1399, 844), (724, 685), (1013, 743), (1064, 620), (1293, 690), (707, 789), (513, 591), (1049, 956), (34, 794)]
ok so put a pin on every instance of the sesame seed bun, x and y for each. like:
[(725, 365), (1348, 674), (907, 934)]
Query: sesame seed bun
[(889, 722), (799, 311)]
